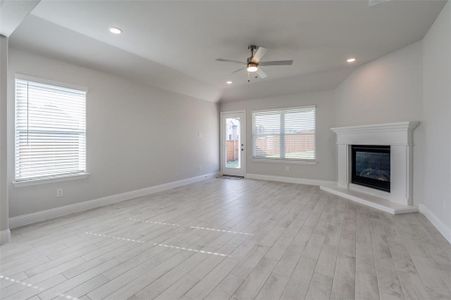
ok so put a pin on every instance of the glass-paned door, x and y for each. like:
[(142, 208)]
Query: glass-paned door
[(233, 150)]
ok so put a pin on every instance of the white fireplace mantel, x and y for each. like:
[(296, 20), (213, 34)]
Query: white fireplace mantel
[(399, 136)]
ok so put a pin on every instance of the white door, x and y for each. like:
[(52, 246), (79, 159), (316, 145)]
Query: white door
[(233, 143)]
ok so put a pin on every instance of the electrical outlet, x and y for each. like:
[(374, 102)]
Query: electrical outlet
[(287, 168), (59, 193)]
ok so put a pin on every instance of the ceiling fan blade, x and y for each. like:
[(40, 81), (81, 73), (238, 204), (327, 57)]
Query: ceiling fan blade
[(236, 71), (231, 61), (261, 74), (258, 55), (277, 63)]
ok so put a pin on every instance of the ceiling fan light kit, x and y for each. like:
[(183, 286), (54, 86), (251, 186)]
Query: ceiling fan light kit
[(253, 62), (252, 67)]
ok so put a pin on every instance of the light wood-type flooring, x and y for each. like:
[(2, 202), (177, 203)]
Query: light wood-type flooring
[(229, 239)]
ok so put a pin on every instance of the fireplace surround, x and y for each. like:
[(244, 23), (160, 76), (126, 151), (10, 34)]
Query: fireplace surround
[(396, 139)]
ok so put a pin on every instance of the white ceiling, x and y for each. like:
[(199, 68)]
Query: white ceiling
[(12, 13), (58, 42), (181, 40)]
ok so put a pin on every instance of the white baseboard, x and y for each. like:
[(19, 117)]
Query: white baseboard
[(441, 227), (53, 213), (306, 181), (5, 236)]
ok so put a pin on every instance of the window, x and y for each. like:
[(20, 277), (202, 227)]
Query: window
[(50, 131), (284, 134)]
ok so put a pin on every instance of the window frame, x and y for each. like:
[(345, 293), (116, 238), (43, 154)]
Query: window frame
[(282, 137), (51, 178)]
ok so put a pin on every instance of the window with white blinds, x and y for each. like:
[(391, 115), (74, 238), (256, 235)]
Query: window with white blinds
[(284, 134), (50, 131)]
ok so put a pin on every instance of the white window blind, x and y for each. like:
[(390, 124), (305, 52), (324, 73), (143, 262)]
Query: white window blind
[(284, 134), (50, 131)]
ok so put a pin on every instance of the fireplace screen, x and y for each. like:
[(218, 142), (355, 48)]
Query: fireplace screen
[(371, 166)]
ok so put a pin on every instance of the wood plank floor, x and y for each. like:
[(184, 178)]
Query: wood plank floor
[(229, 239)]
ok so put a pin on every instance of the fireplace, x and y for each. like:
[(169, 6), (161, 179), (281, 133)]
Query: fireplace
[(370, 166), (390, 188)]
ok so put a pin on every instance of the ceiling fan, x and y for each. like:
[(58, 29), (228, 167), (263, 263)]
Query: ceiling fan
[(254, 63)]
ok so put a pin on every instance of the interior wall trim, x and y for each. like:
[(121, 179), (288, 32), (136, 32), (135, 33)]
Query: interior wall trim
[(53, 213), (306, 181), (438, 224)]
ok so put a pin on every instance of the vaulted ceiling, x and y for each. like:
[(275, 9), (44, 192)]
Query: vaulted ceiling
[(12, 14), (174, 44)]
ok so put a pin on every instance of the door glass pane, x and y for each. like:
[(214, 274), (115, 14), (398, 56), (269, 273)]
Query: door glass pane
[(232, 143)]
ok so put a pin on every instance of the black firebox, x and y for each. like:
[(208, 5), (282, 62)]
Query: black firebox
[(371, 166)]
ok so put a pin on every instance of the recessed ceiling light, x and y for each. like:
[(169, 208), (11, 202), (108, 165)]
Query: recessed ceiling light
[(229, 82), (351, 60), (115, 30)]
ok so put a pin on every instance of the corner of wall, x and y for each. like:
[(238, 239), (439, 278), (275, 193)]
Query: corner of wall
[(438, 224)]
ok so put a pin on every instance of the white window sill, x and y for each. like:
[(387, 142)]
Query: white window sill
[(48, 180), (285, 161)]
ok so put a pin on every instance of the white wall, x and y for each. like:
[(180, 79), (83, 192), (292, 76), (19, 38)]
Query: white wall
[(437, 118), (325, 169), (388, 89), (137, 136)]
